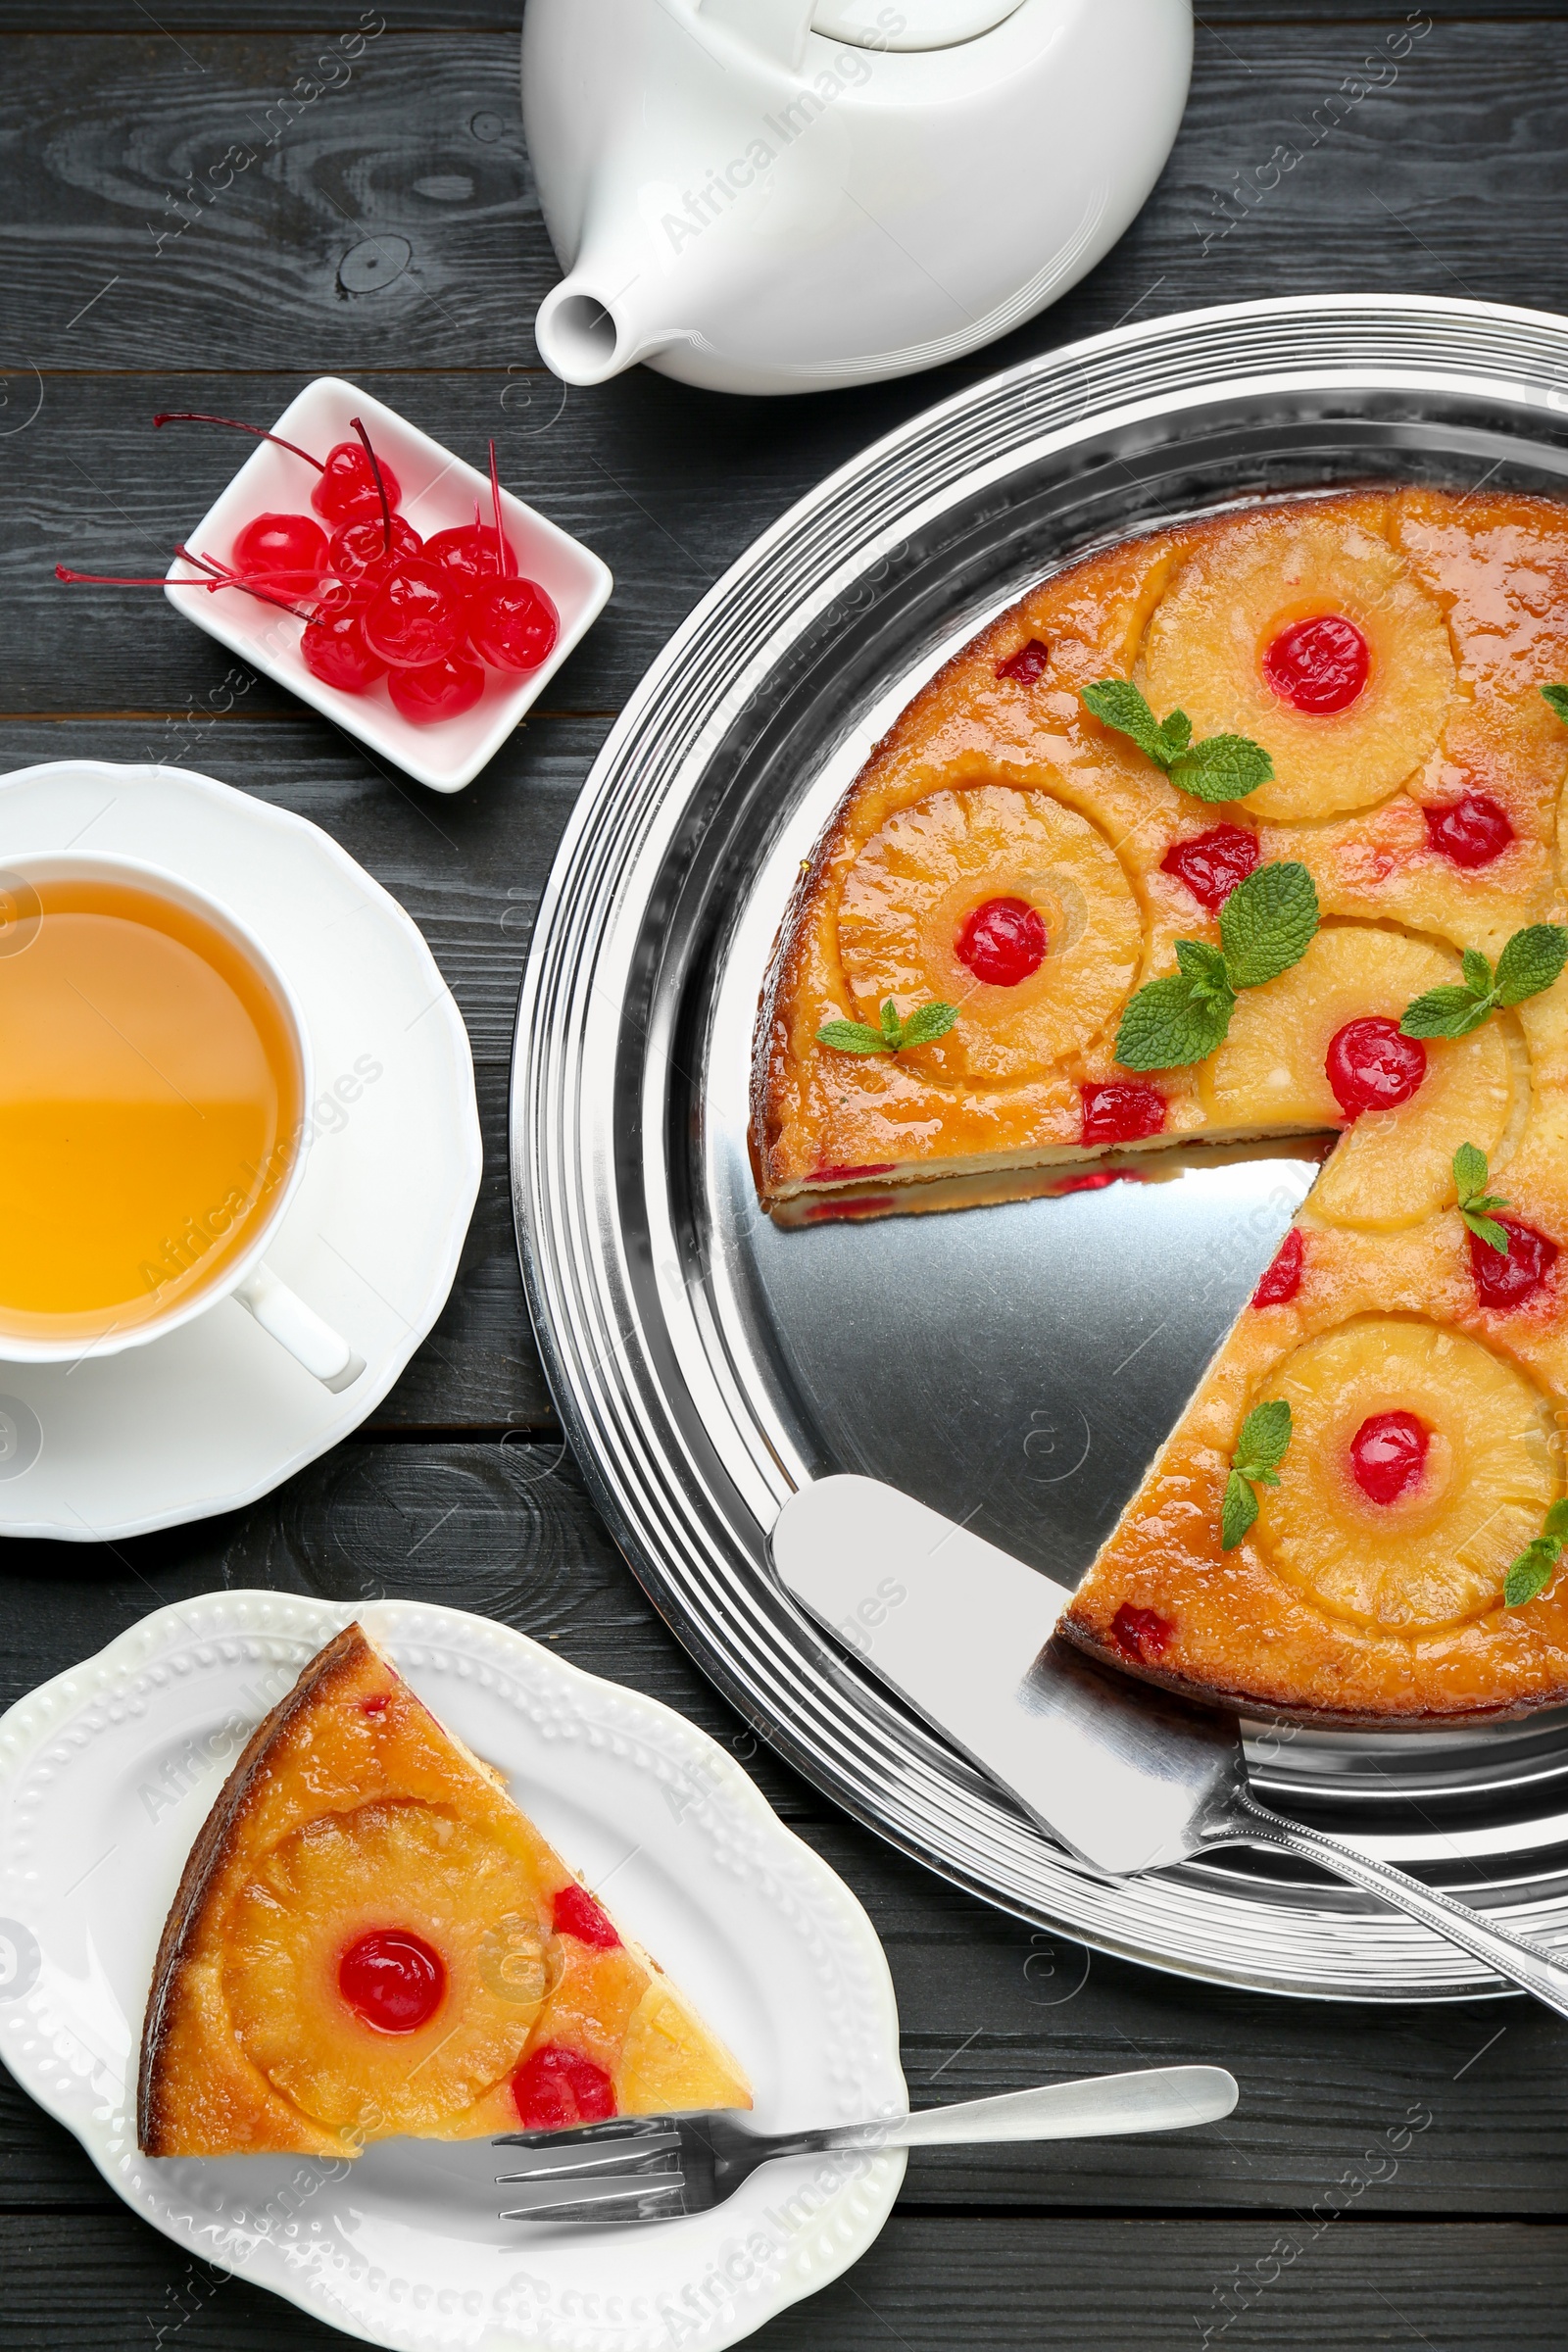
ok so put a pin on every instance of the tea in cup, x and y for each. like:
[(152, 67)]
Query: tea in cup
[(154, 1072)]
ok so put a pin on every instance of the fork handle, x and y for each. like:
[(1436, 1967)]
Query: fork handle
[(1162, 2099)]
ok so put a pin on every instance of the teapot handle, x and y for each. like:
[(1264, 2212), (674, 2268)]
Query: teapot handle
[(777, 26)]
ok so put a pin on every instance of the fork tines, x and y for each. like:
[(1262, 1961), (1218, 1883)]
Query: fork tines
[(625, 2171)]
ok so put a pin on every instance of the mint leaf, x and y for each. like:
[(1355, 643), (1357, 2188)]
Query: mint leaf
[(1116, 703), (1557, 697), (1445, 1012), (1237, 1512), (1223, 768), (1469, 1174), (1263, 1443), (852, 1037), (1529, 962), (1172, 1022), (1204, 967), (928, 1022), (1470, 1183), (1531, 1572), (1267, 924)]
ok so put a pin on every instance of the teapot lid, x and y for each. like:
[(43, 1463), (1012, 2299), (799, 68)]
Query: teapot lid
[(780, 26), (908, 24)]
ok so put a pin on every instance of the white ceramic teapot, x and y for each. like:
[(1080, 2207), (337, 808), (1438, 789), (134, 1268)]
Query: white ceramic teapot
[(783, 195)]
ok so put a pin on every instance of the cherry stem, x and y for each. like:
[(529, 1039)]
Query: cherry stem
[(114, 579), (503, 560), (376, 468), (200, 417), (233, 579), (212, 578)]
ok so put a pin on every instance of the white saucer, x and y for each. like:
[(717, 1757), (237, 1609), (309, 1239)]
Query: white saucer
[(217, 1413), (107, 1773)]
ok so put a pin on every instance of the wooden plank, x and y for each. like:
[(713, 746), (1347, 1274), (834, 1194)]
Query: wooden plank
[(987, 2003), (504, 1529), (1100, 2285), (1400, 187), (505, 16)]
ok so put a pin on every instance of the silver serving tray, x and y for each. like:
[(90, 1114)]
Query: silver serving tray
[(1014, 1366)]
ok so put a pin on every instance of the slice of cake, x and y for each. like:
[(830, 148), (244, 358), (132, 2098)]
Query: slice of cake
[(370, 1939)]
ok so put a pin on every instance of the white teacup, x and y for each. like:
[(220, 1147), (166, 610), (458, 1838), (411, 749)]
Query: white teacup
[(244, 1275)]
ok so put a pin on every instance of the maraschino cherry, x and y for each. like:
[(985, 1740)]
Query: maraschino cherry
[(1372, 1065), (287, 549), (575, 1913), (333, 648), (511, 623), (555, 2088), (349, 490), (367, 549), (1508, 1279), (1002, 942), (442, 689), (1470, 831), (471, 549), (1028, 666), (414, 615), (346, 489), (1387, 1455), (1141, 1632), (1282, 1278), (1121, 1111), (1318, 666), (393, 1980), (1212, 863)]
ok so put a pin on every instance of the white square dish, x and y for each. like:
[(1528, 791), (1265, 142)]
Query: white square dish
[(438, 493)]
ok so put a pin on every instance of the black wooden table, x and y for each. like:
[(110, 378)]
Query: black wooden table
[(1391, 2176)]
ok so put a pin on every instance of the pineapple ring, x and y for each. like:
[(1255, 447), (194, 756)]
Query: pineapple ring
[(1440, 1553), (1206, 641), (930, 865), (1394, 1167), (386, 1865)]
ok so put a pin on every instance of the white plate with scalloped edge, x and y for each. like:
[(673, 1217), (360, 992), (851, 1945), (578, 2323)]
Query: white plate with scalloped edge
[(108, 1772)]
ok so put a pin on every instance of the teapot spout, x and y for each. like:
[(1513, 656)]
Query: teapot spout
[(590, 327)]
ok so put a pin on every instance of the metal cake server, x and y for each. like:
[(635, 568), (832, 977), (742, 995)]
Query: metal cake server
[(1123, 1776)]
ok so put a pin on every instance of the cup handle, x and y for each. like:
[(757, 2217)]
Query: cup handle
[(298, 1328)]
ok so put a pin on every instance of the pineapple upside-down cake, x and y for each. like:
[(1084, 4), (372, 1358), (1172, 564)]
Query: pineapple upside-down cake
[(1242, 829), (372, 1940)]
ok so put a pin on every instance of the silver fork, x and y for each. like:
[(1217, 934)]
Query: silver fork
[(655, 2168)]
